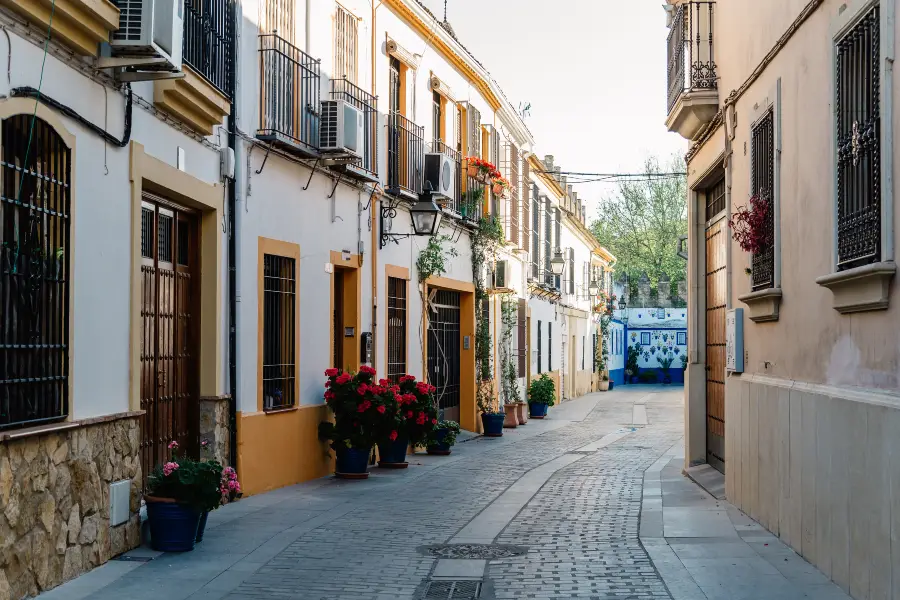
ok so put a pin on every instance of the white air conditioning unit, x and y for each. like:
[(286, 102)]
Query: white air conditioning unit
[(342, 129), (440, 172), (150, 29), (501, 274)]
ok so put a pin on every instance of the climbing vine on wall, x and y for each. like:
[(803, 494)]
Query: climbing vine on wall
[(486, 241), (509, 308)]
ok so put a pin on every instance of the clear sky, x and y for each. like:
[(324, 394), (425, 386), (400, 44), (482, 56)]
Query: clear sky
[(594, 72)]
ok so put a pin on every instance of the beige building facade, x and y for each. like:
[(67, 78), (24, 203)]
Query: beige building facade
[(791, 102)]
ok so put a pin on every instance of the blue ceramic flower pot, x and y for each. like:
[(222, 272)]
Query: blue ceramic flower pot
[(493, 424), (201, 528), (439, 446), (173, 526), (538, 411), (352, 461), (393, 452)]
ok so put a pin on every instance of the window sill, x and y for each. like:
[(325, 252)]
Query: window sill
[(861, 289), (763, 304), (277, 411), (18, 434)]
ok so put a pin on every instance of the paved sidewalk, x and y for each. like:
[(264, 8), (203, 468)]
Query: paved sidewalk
[(552, 510)]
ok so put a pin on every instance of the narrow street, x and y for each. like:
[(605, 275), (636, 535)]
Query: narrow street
[(557, 504)]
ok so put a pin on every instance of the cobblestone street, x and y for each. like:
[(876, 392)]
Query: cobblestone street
[(565, 493)]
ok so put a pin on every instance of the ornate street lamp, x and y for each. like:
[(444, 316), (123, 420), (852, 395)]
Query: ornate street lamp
[(593, 288), (426, 214), (558, 263)]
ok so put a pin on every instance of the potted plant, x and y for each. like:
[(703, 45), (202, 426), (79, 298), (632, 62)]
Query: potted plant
[(411, 414), (442, 438), (178, 492), (511, 419), (665, 362), (500, 187), (604, 382), (541, 396), (631, 363), (361, 413), (230, 489), (491, 419), (470, 202), (480, 169)]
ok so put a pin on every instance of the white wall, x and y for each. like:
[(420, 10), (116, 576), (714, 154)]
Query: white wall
[(100, 254)]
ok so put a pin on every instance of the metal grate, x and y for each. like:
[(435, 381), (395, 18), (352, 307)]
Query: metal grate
[(535, 234), (762, 171), (452, 590), (344, 89), (289, 105), (147, 233), (346, 35), (209, 41), (539, 346), (34, 273), (131, 14), (406, 155), (691, 59), (470, 211), (715, 200), (437, 117), (279, 332), (858, 110), (444, 351), (164, 237), (548, 242), (396, 328)]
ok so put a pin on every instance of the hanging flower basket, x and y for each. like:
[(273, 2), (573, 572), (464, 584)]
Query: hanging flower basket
[(480, 169)]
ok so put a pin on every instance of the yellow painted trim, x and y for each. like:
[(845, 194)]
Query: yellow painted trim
[(292, 437), (192, 100), (10, 107), (80, 24), (467, 409), (287, 250), (396, 272), (352, 303), (151, 174), (427, 31)]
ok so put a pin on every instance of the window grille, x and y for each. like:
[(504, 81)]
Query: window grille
[(715, 200), (346, 46), (277, 17), (209, 41), (762, 168), (535, 234), (437, 117), (540, 339), (858, 113), (279, 332), (34, 273), (396, 329), (526, 204)]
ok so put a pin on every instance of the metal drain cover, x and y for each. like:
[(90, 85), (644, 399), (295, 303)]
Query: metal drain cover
[(452, 590), (474, 551)]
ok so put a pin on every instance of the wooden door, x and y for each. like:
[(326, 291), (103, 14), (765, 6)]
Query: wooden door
[(716, 240), (170, 384)]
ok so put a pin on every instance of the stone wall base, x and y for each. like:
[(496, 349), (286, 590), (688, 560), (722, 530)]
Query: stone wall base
[(215, 427), (54, 502)]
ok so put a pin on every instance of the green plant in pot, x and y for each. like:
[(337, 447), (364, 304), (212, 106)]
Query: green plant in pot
[(470, 202), (179, 492), (541, 396), (442, 438), (631, 363), (363, 413)]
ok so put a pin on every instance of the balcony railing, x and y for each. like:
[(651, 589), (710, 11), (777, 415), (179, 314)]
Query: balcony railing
[(406, 156), (342, 89), (463, 204), (209, 39), (692, 64), (289, 96)]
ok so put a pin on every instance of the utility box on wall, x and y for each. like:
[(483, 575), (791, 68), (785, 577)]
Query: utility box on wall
[(734, 340)]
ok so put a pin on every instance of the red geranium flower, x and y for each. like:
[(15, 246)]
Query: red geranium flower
[(367, 370), (420, 420), (395, 389), (381, 409), (362, 389), (330, 395), (434, 421), (431, 389), (422, 387), (343, 378), (332, 372), (409, 414), (384, 382), (393, 435), (328, 383), (364, 406)]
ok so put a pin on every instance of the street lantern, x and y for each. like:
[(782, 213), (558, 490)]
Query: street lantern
[(622, 304), (426, 215), (558, 263), (593, 288)]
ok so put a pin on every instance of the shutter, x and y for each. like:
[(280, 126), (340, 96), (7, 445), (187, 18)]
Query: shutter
[(526, 205), (557, 239), (523, 330), (548, 241), (514, 194), (571, 271)]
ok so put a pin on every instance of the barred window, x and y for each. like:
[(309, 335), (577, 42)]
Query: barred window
[(858, 113), (346, 47), (277, 16), (762, 184), (396, 329), (715, 200), (279, 332), (35, 198), (539, 354)]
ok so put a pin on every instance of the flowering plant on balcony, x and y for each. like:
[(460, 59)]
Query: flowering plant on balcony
[(749, 225), (605, 303), (364, 412), (480, 169), (500, 186)]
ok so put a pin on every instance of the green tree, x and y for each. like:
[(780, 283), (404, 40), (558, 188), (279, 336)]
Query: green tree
[(641, 223)]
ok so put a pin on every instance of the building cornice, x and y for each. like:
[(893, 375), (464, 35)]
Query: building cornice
[(539, 169), (418, 19)]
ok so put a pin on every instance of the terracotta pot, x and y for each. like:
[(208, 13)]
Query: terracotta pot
[(473, 171), (511, 420), (522, 412), (497, 189)]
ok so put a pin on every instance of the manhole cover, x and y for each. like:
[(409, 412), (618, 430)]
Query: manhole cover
[(474, 551), (452, 590)]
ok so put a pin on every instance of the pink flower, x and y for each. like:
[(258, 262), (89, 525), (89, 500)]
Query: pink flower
[(233, 486), (204, 443), (381, 409), (173, 445), (230, 473), (393, 435), (332, 372), (169, 468)]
